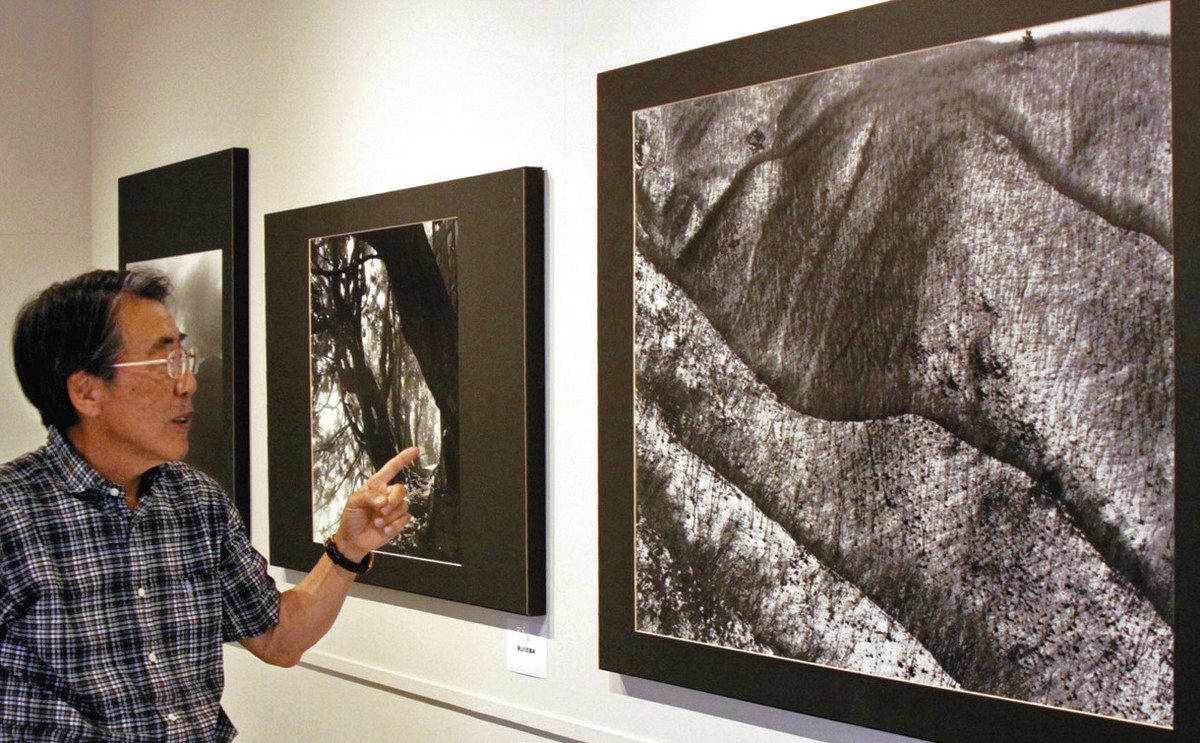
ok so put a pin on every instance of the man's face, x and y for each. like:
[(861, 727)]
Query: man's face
[(146, 414)]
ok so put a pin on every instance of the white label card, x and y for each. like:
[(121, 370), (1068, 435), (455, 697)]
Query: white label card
[(526, 647)]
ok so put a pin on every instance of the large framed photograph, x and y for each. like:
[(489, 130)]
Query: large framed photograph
[(896, 324), (414, 318), (190, 221)]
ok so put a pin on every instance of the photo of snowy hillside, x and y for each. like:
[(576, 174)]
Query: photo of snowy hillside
[(905, 394)]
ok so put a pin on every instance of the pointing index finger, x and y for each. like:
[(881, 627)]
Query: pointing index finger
[(389, 471)]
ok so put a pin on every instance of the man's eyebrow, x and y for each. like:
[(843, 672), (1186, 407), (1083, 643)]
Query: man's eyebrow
[(169, 340)]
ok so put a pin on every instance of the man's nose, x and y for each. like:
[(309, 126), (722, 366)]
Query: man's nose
[(186, 384)]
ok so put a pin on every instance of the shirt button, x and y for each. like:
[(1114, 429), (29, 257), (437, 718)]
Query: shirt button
[(172, 717), (142, 592), (114, 491), (153, 656)]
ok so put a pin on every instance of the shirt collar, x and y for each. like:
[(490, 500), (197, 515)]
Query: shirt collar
[(74, 473)]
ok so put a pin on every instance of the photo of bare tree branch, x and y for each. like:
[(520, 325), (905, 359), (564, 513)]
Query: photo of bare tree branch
[(384, 376), (905, 367)]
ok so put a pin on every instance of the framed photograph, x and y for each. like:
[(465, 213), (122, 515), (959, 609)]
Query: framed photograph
[(415, 318), (895, 352), (190, 221)]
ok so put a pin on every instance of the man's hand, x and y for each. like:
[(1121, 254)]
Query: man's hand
[(372, 517), (377, 512)]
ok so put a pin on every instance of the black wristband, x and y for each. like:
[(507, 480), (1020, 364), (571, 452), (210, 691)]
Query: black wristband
[(358, 568)]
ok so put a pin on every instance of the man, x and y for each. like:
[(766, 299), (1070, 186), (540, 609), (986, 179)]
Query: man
[(122, 570)]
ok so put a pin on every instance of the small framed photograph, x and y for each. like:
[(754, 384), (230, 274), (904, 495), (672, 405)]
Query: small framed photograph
[(189, 220), (414, 318)]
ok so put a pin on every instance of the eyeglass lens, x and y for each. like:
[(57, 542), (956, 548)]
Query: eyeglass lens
[(181, 361)]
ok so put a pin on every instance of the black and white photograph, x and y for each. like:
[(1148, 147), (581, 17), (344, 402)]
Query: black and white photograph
[(414, 318), (195, 303), (384, 355), (904, 356), (189, 220)]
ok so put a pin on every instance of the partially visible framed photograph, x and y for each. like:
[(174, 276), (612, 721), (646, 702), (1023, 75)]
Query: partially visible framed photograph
[(190, 221), (415, 318), (896, 325)]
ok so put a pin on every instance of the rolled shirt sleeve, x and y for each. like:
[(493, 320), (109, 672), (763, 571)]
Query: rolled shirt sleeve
[(249, 596)]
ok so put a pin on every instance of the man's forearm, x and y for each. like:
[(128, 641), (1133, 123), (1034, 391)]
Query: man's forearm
[(373, 516), (306, 612)]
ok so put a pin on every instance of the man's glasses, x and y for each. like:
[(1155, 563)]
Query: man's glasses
[(179, 362)]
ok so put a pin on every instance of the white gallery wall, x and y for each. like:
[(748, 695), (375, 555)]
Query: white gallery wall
[(45, 170), (346, 98)]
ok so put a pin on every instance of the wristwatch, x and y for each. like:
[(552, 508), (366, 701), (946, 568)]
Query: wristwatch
[(358, 568)]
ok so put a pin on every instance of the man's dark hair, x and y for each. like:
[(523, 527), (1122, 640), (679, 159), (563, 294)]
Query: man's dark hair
[(71, 326)]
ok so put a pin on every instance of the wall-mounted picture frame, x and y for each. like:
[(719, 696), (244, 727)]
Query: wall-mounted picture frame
[(190, 221), (896, 360), (415, 317)]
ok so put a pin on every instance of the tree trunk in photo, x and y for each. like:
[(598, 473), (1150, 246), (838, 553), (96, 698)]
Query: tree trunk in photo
[(430, 325)]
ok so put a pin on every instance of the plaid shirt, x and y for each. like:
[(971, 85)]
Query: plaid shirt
[(111, 620)]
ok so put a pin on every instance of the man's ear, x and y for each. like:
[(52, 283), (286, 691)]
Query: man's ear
[(86, 392)]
